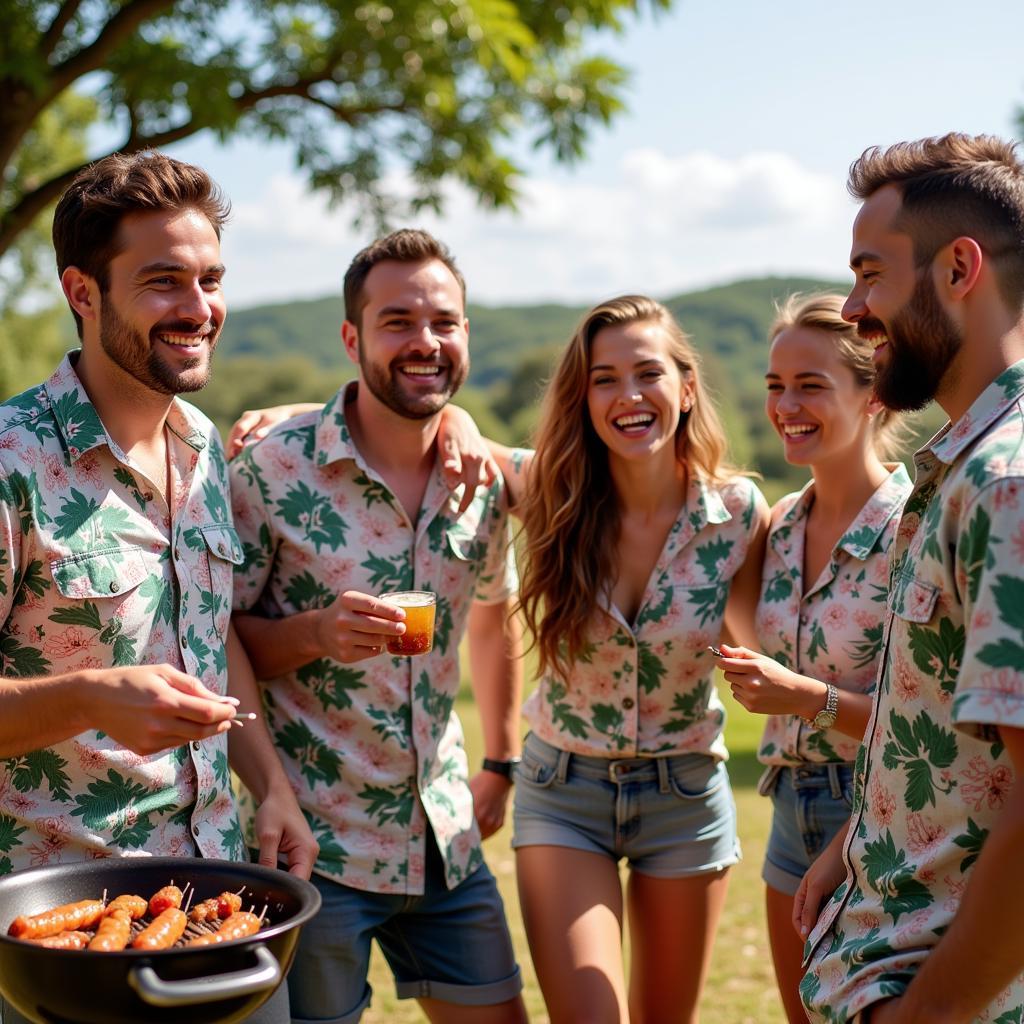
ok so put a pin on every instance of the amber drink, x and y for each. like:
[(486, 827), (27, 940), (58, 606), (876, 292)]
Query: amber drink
[(418, 606)]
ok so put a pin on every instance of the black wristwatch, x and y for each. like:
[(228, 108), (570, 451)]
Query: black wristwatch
[(501, 767)]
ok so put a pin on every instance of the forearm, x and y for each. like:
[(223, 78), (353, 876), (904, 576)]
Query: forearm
[(36, 713), (514, 466), (250, 749), (852, 714), (278, 646), (496, 668)]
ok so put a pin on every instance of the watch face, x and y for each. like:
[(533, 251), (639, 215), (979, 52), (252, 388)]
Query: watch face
[(824, 720)]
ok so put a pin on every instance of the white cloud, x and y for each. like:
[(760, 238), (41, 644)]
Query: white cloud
[(662, 224)]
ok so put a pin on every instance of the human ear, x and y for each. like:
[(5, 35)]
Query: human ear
[(959, 265), (82, 293), (350, 339)]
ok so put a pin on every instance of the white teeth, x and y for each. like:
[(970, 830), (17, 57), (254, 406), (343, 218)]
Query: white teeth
[(798, 428), (422, 371), (636, 420), (881, 340), (181, 340)]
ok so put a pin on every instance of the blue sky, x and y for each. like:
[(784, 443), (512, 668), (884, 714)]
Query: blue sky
[(731, 160)]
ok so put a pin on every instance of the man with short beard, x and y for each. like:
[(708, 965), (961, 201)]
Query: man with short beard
[(335, 506), (116, 556), (929, 922)]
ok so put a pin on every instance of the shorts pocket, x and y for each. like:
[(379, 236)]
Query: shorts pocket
[(533, 770), (696, 776)]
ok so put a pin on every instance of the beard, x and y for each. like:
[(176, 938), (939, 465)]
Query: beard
[(386, 385), (135, 354), (923, 341)]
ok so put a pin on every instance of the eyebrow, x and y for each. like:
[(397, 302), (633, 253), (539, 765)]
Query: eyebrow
[(176, 268), (864, 257), (643, 362), (405, 311), (798, 376)]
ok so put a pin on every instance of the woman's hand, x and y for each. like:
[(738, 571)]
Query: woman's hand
[(466, 459), (765, 687), (254, 424), (823, 877)]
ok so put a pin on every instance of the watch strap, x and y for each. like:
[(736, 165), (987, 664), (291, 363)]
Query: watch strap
[(830, 710), (500, 767)]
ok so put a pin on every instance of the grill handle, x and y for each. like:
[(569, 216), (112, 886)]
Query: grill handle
[(157, 992)]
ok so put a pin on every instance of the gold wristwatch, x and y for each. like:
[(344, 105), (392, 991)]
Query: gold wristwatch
[(826, 717)]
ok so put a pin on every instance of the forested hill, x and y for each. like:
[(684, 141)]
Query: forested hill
[(292, 351)]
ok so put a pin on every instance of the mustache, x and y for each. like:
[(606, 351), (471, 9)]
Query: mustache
[(869, 325), (183, 327)]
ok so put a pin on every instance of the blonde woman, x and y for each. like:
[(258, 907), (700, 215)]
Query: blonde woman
[(820, 614)]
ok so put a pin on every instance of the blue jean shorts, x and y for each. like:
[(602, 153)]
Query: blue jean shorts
[(447, 944), (668, 816), (811, 803)]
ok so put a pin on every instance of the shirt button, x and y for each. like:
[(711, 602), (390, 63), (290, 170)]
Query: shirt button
[(148, 495), (627, 702), (195, 830), (176, 555), (221, 549), (195, 744), (114, 586), (184, 642)]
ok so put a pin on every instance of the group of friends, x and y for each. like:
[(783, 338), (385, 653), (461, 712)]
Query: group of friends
[(151, 589)]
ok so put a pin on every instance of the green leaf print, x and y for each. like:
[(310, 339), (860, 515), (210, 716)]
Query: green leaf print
[(973, 551), (75, 513), (443, 624), (234, 841), (221, 769), (562, 714), (655, 612), (860, 953), (1009, 594), (930, 530), (891, 877), (214, 499), (938, 653), (119, 805), (650, 668), (373, 492), (609, 720), (1004, 654), (305, 592), (124, 477), (818, 644), (866, 650), (779, 588), (688, 708), (313, 513), (306, 436), (318, 763), (80, 420), (972, 841), (159, 596), (28, 771), (388, 804), (32, 582), (711, 555), (331, 683), (85, 614), (1014, 1016), (818, 742), (20, 661), (9, 832), (395, 725), (330, 849), (22, 494), (708, 602), (920, 748), (253, 556), (386, 574), (438, 705)]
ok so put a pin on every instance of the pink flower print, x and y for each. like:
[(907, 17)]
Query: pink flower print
[(697, 640), (10, 443), (339, 500), (1007, 496), (846, 585), (338, 574), (54, 473), (770, 623), (923, 835), (985, 783), (913, 926), (870, 920), (652, 709), (905, 682), (375, 530), (70, 642), (908, 526), (955, 888), (883, 803), (1003, 688), (963, 428), (1017, 542), (602, 686), (284, 462), (982, 618), (89, 758), (371, 758), (416, 865), (88, 468), (21, 804), (462, 845)]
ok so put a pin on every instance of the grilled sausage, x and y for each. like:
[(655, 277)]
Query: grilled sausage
[(135, 906), (237, 926), (66, 918), (65, 940), (166, 898), (113, 933), (164, 931), (228, 903), (205, 911)]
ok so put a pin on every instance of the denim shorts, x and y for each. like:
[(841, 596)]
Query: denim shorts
[(447, 944), (811, 803), (668, 816)]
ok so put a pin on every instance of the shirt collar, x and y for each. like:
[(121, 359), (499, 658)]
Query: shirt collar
[(81, 428), (333, 440), (1000, 395), (863, 533)]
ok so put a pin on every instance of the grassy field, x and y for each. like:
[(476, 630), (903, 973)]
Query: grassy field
[(741, 988)]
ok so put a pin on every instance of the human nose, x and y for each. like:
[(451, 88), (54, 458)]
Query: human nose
[(786, 402), (195, 305), (854, 308), (424, 341)]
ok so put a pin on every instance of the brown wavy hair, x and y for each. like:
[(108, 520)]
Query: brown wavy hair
[(571, 511)]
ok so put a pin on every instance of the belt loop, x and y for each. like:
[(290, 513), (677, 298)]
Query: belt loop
[(833, 781), (562, 769), (663, 786)]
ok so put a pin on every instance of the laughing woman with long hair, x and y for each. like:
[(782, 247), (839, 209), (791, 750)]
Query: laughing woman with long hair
[(641, 544)]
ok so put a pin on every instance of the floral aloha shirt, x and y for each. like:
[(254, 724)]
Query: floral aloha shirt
[(933, 776), (374, 750), (96, 572), (833, 632), (645, 689)]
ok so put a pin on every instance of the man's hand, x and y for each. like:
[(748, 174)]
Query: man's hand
[(282, 831), (254, 424), (357, 626), (823, 877), (490, 798), (150, 708), (466, 459), (763, 686)]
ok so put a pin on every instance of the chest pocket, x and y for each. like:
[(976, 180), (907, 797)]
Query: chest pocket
[(223, 553), (911, 599), (109, 573)]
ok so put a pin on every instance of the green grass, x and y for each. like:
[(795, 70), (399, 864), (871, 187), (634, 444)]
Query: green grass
[(741, 986)]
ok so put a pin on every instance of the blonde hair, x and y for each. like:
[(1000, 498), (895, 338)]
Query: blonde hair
[(571, 512), (824, 312)]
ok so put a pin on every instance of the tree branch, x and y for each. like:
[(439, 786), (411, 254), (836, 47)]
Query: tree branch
[(51, 37)]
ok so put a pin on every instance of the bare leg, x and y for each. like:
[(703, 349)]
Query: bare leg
[(672, 924), (512, 1012), (572, 908), (787, 952)]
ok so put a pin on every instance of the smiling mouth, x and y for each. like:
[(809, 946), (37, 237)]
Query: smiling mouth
[(422, 371), (634, 423), (186, 342), (791, 430)]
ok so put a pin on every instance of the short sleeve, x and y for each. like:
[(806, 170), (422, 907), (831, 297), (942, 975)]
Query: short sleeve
[(252, 522), (10, 548), (498, 579), (990, 578)]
